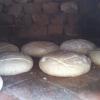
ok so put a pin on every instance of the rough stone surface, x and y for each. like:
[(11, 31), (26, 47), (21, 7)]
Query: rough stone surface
[(35, 31), (69, 7), (27, 20), (42, 1), (51, 7), (70, 31), (31, 8), (57, 20), (41, 19), (15, 10), (6, 2), (21, 1), (55, 29), (39, 30), (70, 27), (38, 17), (6, 19)]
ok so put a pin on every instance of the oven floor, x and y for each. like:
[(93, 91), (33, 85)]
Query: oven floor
[(35, 85)]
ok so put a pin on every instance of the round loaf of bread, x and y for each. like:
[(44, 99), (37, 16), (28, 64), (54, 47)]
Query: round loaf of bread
[(95, 56), (78, 45), (39, 48), (12, 63), (65, 64), (1, 82), (7, 47)]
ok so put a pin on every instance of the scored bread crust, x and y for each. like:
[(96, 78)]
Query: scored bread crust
[(13, 63), (65, 64), (39, 48), (78, 45)]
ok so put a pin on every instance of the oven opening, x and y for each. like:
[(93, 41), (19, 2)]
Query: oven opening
[(49, 49)]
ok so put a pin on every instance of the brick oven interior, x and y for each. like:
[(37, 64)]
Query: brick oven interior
[(44, 19), (23, 21)]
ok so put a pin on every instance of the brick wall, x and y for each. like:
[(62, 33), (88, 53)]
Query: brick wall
[(89, 20), (39, 18)]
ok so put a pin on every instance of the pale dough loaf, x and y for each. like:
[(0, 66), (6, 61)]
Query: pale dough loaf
[(12, 63), (95, 56), (65, 64), (1, 83), (78, 45), (7, 47), (39, 48)]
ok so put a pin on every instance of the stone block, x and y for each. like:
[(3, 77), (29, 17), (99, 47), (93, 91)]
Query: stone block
[(6, 2), (6, 19), (27, 20), (40, 19), (31, 8), (69, 7), (41, 1), (21, 1), (51, 7), (55, 29), (34, 31), (70, 31), (15, 10), (57, 20)]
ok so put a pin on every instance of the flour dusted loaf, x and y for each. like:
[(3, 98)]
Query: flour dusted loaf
[(95, 56), (78, 45), (39, 48), (65, 64), (12, 63), (1, 83), (7, 47)]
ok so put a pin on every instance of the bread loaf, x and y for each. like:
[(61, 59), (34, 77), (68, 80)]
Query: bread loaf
[(78, 45), (95, 56), (12, 63), (1, 83), (65, 64), (39, 48), (4, 46)]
